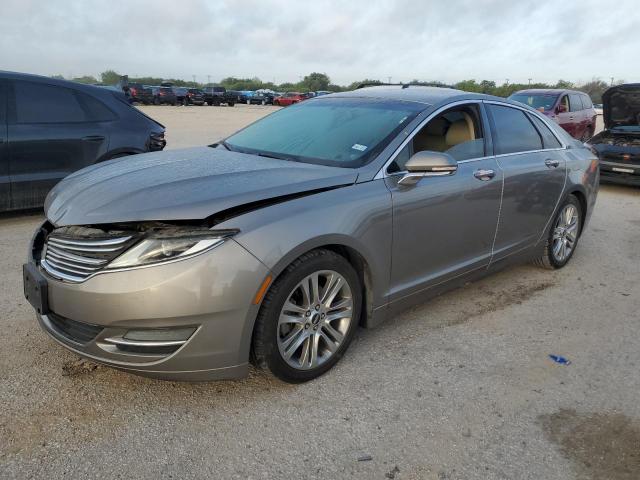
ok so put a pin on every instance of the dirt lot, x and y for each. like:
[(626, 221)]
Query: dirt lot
[(460, 388)]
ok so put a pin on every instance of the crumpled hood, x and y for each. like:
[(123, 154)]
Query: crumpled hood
[(190, 184), (621, 106)]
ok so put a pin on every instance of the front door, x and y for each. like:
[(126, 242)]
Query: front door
[(444, 226)]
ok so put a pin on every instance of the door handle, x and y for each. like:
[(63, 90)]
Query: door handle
[(551, 163), (484, 175), (93, 138)]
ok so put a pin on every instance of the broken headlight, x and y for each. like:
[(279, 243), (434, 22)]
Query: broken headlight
[(165, 246)]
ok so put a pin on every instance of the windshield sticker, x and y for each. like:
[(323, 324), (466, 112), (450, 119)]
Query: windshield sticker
[(360, 148)]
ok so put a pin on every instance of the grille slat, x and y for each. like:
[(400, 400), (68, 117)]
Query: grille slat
[(75, 331), (75, 258)]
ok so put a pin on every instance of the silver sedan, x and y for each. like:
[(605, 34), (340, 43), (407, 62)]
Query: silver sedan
[(275, 244)]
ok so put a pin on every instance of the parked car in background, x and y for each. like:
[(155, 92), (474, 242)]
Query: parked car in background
[(194, 96), (55, 127), (260, 98), (245, 95), (571, 109), (164, 96), (219, 95), (277, 243), (598, 108), (319, 93), (181, 94), (618, 146), (139, 93), (289, 98)]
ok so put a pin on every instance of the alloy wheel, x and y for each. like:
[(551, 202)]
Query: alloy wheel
[(565, 233), (315, 319)]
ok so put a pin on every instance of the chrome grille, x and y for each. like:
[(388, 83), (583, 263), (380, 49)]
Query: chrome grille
[(74, 259)]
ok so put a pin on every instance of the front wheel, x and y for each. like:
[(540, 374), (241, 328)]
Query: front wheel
[(308, 317), (563, 235)]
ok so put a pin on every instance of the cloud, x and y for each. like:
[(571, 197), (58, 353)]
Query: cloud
[(282, 40)]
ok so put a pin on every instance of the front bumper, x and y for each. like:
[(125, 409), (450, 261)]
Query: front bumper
[(211, 294), (616, 172)]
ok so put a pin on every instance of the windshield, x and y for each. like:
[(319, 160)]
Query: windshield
[(343, 132), (537, 101)]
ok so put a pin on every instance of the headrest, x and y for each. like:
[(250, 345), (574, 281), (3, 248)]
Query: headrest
[(458, 132)]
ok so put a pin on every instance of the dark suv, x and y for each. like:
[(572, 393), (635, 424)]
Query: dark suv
[(50, 128), (571, 109), (219, 95), (618, 146), (139, 93), (164, 95)]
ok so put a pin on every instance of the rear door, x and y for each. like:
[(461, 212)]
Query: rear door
[(51, 134), (5, 183), (566, 119), (578, 115), (532, 160)]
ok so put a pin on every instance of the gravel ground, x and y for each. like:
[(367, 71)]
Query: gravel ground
[(459, 388)]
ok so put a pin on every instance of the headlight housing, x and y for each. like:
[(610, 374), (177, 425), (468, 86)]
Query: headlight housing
[(170, 245)]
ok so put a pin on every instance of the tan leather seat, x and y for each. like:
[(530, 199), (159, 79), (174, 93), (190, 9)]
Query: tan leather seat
[(459, 132), (431, 137)]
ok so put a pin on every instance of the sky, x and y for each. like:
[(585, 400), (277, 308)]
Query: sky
[(349, 40)]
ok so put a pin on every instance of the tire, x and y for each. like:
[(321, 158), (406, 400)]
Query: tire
[(231, 104), (248, 102), (553, 255), (209, 103), (264, 102), (156, 101), (312, 327)]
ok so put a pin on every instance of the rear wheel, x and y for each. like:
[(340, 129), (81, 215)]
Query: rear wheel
[(231, 104), (563, 235), (308, 317)]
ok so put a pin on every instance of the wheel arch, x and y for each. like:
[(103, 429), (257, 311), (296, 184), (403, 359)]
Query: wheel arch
[(582, 198), (349, 249)]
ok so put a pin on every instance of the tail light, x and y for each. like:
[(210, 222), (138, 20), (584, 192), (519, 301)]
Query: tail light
[(157, 141)]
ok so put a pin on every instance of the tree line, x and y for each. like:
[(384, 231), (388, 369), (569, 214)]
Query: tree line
[(320, 81)]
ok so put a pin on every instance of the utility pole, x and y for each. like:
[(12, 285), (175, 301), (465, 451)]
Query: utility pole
[(389, 79), (194, 79), (507, 82), (208, 79), (529, 81), (612, 81)]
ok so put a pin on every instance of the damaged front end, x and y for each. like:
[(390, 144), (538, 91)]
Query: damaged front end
[(618, 147)]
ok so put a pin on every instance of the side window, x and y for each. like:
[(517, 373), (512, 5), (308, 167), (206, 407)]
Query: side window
[(513, 131), (575, 102), (548, 138), (96, 111), (457, 132), (586, 101), (565, 101), (40, 103)]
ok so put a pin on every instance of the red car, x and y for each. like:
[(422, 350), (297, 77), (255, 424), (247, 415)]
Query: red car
[(289, 98), (572, 110)]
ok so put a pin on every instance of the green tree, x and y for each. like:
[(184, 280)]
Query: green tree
[(110, 77), (564, 84), (595, 88), (315, 81), (90, 79), (366, 81)]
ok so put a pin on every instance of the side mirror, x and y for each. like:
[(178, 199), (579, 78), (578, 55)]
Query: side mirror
[(562, 108), (428, 164)]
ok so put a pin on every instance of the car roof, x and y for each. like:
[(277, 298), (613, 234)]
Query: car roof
[(416, 93), (534, 91)]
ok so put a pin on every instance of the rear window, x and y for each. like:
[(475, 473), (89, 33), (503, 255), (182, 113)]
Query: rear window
[(548, 138), (513, 131), (96, 111), (41, 103), (340, 132)]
